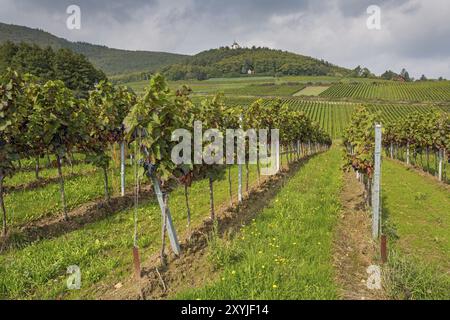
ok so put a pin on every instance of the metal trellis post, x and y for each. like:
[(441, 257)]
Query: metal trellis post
[(376, 190)]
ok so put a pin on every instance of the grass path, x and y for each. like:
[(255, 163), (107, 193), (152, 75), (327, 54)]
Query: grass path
[(355, 250), (417, 211), (25, 206), (286, 253)]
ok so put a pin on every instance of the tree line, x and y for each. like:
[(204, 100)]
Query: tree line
[(73, 69)]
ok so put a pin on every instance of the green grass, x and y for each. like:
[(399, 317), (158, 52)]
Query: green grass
[(420, 161), (23, 206), (418, 210), (102, 250), (409, 278), (212, 86), (311, 91), (286, 253), (22, 178), (266, 89)]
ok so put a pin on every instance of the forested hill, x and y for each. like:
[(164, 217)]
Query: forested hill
[(228, 62), (214, 63), (111, 61)]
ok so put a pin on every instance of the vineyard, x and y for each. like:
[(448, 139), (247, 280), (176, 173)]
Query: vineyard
[(333, 117), (90, 131), (91, 182), (418, 134), (307, 161), (416, 137), (419, 91)]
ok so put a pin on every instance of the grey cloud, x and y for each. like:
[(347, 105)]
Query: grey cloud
[(414, 33)]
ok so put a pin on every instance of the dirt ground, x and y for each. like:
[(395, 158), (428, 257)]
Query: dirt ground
[(354, 249)]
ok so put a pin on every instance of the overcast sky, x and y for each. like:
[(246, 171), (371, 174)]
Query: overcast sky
[(414, 34)]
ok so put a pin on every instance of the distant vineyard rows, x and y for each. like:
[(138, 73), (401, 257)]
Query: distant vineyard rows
[(420, 91), (334, 117)]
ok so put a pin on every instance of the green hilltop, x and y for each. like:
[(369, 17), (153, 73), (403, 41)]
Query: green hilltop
[(235, 62), (215, 63)]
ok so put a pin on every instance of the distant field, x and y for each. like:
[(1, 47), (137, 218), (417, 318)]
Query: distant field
[(393, 91), (266, 89), (311, 91), (281, 85), (332, 116)]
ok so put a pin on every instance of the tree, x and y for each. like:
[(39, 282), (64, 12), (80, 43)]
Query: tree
[(14, 111), (405, 75), (106, 110), (357, 71), (150, 125), (366, 73), (103, 122), (77, 73), (36, 146), (188, 112), (7, 52), (211, 117), (389, 75), (58, 116)]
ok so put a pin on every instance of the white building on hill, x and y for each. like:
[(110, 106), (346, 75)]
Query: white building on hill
[(235, 46)]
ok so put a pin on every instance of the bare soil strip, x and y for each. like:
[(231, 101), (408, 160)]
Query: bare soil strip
[(192, 269), (354, 249)]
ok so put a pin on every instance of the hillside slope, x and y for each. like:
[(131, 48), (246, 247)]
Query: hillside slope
[(111, 61), (227, 62)]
